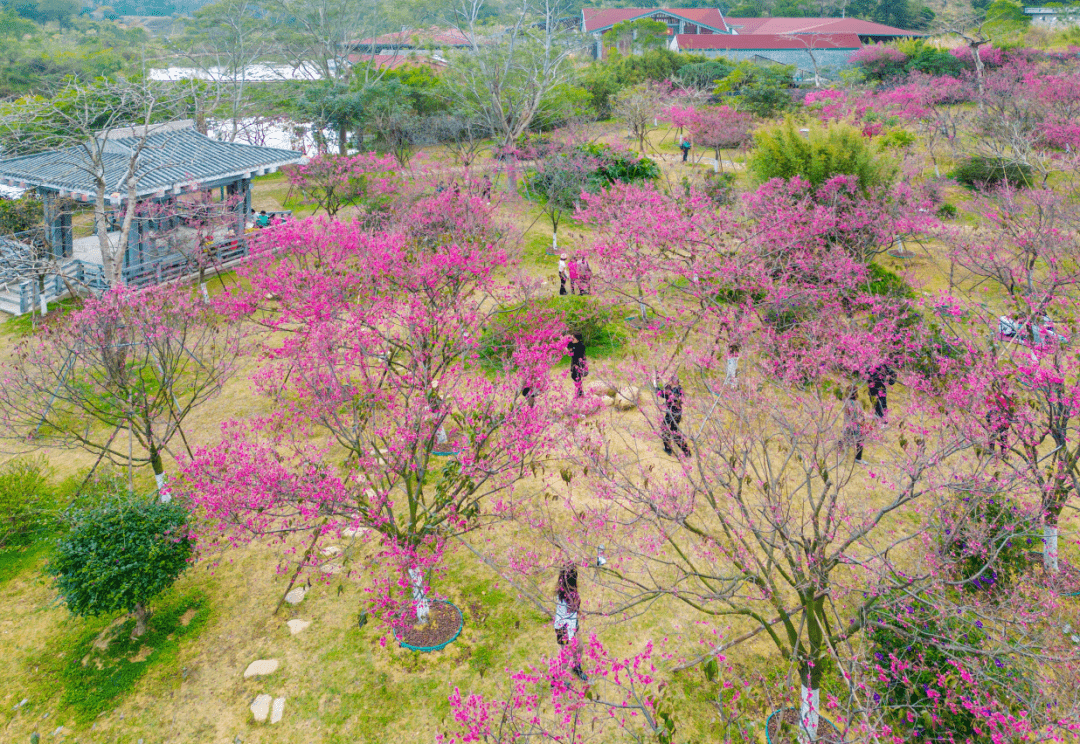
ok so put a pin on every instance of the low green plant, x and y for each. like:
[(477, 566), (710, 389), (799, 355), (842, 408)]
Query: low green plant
[(896, 139), (27, 502), (584, 315), (119, 557), (947, 211), (986, 539), (881, 281), (986, 173)]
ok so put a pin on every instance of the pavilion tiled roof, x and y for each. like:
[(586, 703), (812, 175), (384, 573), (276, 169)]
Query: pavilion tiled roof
[(174, 159), (596, 19), (777, 26), (690, 42)]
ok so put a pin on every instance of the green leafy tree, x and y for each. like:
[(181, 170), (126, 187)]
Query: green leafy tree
[(761, 89), (119, 557), (783, 152), (26, 502), (635, 37), (20, 215)]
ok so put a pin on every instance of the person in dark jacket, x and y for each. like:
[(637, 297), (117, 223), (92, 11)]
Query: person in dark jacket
[(878, 382), (671, 405), (579, 367)]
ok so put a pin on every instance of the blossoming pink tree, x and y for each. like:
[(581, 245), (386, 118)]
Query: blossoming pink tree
[(383, 419), (721, 128), (334, 182)]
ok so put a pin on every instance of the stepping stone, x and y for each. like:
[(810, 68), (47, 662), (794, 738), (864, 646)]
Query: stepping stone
[(331, 568), (295, 626), (296, 595), (331, 550), (278, 711), (353, 533), (260, 708), (261, 667)]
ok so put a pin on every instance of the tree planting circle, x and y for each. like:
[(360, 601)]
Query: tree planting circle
[(827, 733), (901, 253), (444, 625)]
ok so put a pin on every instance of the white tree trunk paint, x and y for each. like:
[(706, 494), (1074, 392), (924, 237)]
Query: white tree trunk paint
[(44, 306), (205, 293), (440, 435), (420, 600), (809, 713), (732, 375), (1050, 549), (163, 493), (716, 166), (554, 241)]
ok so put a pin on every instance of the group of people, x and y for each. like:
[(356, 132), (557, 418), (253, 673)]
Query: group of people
[(481, 188), (578, 272)]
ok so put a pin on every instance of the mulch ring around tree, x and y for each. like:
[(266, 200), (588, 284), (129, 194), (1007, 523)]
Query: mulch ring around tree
[(442, 628), (783, 728), (1066, 581)]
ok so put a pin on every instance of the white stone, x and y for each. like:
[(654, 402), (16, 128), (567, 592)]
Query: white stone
[(295, 626), (331, 568), (296, 595), (608, 401), (261, 667), (278, 711), (331, 550), (260, 708), (353, 533)]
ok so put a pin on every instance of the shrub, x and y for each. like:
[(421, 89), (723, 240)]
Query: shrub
[(947, 211), (920, 689), (120, 557), (839, 149), (986, 173), (26, 501), (881, 281), (986, 539), (584, 315), (896, 139), (719, 187), (621, 165)]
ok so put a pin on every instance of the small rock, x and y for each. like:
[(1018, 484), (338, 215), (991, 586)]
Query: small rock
[(1066, 630), (295, 626), (60, 730), (331, 568), (353, 533), (260, 707), (608, 401), (278, 711), (1076, 639), (296, 595), (621, 404), (24, 701), (330, 550), (261, 668)]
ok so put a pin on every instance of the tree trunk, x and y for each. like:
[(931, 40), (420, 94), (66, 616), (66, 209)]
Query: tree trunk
[(420, 600), (140, 620), (159, 475), (343, 140), (1050, 548), (809, 713)]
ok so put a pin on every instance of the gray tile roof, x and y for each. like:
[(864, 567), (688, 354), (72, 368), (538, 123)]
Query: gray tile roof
[(170, 161)]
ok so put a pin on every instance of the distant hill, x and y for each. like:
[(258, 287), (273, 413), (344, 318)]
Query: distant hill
[(156, 7)]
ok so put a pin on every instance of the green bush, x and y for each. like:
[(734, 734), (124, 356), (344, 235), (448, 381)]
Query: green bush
[(948, 211), (584, 315), (986, 539), (985, 173), (120, 557), (881, 281), (26, 501), (839, 149), (719, 187), (621, 165), (916, 636), (896, 139)]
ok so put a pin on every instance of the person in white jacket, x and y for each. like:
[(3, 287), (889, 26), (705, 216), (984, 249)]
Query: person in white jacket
[(562, 274), (567, 606)]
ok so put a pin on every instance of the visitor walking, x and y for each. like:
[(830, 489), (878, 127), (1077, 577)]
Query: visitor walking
[(671, 405), (579, 367), (854, 434), (562, 274), (573, 273), (878, 382), (684, 145), (567, 607), (486, 191)]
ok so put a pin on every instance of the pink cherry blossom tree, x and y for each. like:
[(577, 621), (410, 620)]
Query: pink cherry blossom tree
[(721, 128)]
